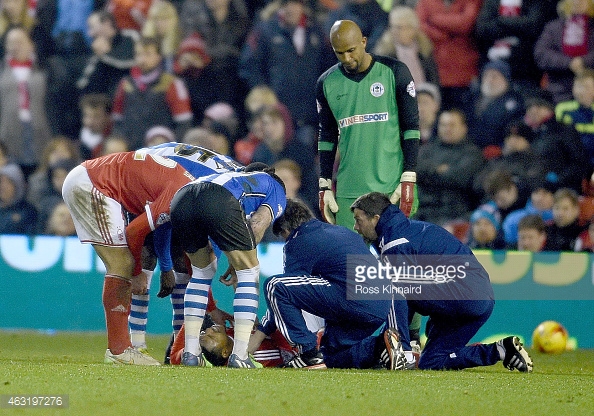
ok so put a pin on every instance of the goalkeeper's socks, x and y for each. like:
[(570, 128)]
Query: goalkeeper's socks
[(245, 306), (177, 300), (117, 292), (195, 301)]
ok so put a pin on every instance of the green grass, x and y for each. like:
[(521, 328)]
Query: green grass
[(71, 363)]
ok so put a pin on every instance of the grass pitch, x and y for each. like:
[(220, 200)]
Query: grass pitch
[(71, 363)]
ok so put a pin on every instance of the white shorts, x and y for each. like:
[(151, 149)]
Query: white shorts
[(97, 218)]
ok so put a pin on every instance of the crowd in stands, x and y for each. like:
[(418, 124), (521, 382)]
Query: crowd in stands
[(505, 91)]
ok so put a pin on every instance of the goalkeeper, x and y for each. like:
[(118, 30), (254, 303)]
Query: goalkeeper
[(368, 101)]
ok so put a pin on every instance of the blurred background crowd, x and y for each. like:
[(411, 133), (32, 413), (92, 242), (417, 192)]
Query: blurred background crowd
[(505, 91)]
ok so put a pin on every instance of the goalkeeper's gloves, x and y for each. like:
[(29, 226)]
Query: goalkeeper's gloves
[(406, 193), (328, 205)]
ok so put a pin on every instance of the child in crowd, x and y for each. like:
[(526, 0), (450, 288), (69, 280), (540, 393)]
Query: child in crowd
[(564, 230), (485, 228), (532, 233)]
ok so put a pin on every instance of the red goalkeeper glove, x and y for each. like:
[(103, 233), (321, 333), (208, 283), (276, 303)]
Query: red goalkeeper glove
[(406, 193), (328, 205)]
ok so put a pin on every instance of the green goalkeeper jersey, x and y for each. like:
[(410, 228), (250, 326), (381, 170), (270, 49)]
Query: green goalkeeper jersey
[(367, 117)]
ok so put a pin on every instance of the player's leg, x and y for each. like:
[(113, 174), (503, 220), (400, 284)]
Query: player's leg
[(450, 327), (98, 220), (140, 303), (189, 220), (195, 301), (245, 302)]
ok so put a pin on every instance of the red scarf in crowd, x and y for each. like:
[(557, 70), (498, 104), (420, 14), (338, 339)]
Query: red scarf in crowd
[(510, 8), (23, 87), (575, 36), (143, 80)]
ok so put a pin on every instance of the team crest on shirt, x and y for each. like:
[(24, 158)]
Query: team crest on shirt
[(377, 89), (163, 218), (410, 89)]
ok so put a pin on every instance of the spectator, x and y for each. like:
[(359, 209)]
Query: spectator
[(405, 41), (564, 230), (367, 14), (277, 144), (112, 58), (288, 52), (193, 66), (150, 96), (485, 228), (60, 222), (450, 24), (532, 233), (429, 100), (223, 26), (223, 113), (66, 21), (17, 216), (540, 203), (585, 241), (56, 149), (56, 174), (259, 96), (220, 138), (507, 30), (566, 46), (163, 23), (212, 138), (114, 143), (197, 136), (129, 14), (446, 169), (495, 105), (16, 13), (290, 173), (517, 157), (4, 155), (507, 191), (96, 124), (579, 112), (158, 135), (558, 147), (24, 126)]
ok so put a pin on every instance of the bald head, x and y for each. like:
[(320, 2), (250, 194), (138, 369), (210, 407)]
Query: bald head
[(342, 30), (349, 46)]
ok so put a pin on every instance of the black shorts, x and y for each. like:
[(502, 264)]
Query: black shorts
[(202, 210)]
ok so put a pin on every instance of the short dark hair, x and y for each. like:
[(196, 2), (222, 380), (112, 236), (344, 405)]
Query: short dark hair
[(498, 180), (95, 100), (215, 357), (146, 41), (296, 213), (105, 16), (373, 203), (532, 222)]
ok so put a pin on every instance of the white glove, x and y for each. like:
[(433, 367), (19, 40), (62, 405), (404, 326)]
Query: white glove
[(327, 202)]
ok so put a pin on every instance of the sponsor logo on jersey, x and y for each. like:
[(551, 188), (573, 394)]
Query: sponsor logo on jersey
[(377, 89), (362, 118), (410, 89)]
